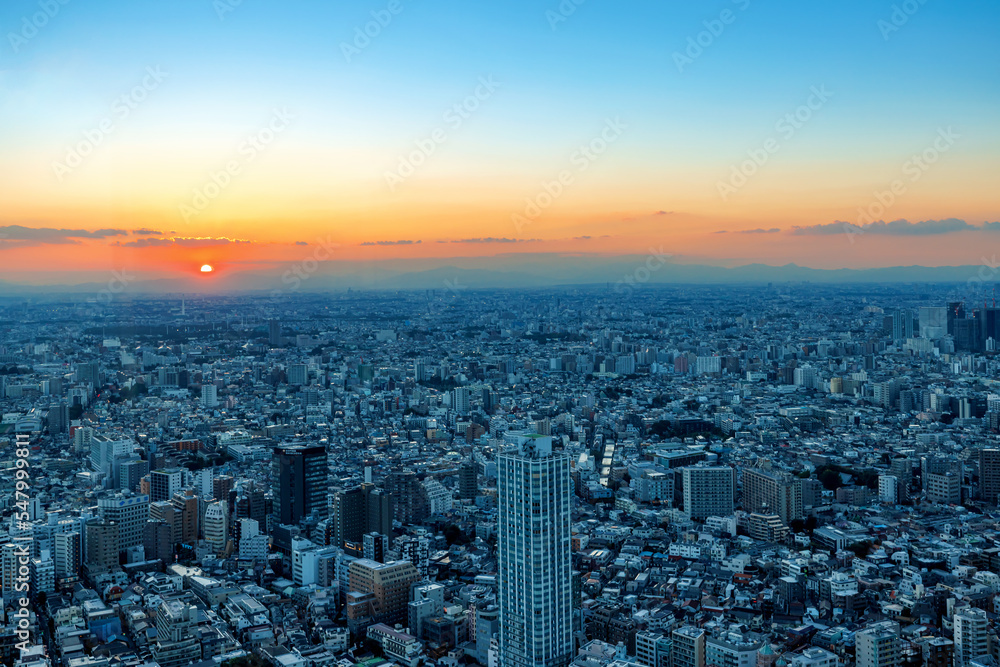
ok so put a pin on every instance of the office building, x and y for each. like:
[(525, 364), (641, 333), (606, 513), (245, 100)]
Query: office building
[(388, 583), (357, 511), (300, 482), (164, 483), (130, 512), (989, 475)]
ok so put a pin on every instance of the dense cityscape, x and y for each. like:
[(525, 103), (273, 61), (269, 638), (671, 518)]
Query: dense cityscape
[(786, 475)]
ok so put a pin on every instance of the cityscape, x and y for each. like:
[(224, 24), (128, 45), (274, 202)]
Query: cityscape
[(681, 477), (532, 333)]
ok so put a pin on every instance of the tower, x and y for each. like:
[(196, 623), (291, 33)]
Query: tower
[(536, 585), (300, 475)]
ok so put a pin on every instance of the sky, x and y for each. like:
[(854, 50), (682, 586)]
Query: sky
[(159, 136)]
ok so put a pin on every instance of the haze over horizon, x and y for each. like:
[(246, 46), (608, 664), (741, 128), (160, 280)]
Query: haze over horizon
[(253, 137)]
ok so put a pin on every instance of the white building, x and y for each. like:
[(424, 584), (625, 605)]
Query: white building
[(535, 595), (888, 489), (971, 635), (216, 526), (878, 645)]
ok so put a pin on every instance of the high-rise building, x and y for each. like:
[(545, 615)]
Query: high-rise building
[(176, 644), (417, 550), (535, 572), (274, 333), (209, 395), (878, 645), (777, 492), (357, 511), (164, 483), (989, 475), (221, 486), (375, 546), (688, 649), (708, 491), (158, 540), (298, 374), (130, 511), (130, 473), (460, 400), (972, 629), (408, 499), (67, 555), (216, 528), (300, 482), (102, 545), (389, 583), (888, 489), (188, 515), (468, 479)]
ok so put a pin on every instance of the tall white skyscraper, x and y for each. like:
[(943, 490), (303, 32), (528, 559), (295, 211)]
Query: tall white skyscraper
[(536, 602)]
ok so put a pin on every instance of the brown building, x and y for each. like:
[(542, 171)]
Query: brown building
[(389, 583)]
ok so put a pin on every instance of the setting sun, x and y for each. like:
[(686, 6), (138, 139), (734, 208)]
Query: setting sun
[(206, 268)]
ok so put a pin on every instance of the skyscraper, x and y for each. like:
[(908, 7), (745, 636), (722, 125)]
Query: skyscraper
[(274, 333), (536, 585), (989, 475), (300, 476), (468, 479)]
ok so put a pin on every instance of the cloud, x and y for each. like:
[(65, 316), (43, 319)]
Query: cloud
[(491, 239), (146, 232), (664, 213), (897, 228), (301, 243), (581, 238), (401, 242), (186, 242), (772, 230), (56, 236)]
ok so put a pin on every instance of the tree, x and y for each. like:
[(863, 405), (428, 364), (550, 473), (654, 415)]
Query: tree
[(830, 479), (861, 549)]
